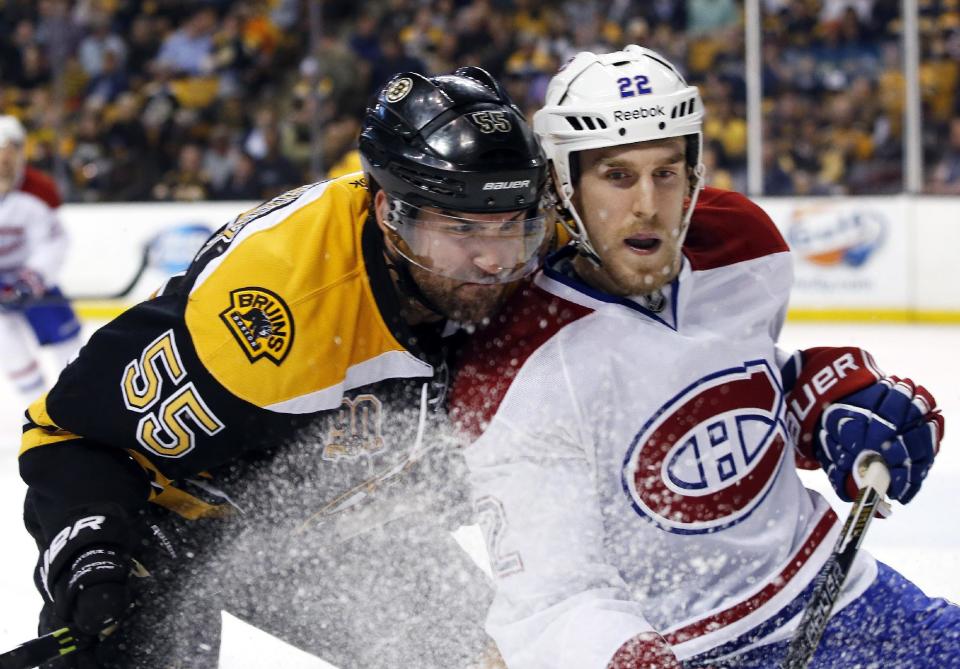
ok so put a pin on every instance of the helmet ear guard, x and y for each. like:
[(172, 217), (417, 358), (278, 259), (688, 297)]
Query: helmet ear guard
[(614, 99)]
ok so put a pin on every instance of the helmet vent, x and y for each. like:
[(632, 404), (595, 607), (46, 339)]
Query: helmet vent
[(591, 122), (429, 182), (685, 108)]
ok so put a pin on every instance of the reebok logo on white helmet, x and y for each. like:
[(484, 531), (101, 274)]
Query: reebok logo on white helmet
[(641, 112)]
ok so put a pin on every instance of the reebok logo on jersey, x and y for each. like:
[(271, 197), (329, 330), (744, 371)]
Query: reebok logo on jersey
[(506, 185), (261, 323)]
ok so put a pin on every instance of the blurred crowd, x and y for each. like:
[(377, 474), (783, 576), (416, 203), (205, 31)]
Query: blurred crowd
[(183, 101)]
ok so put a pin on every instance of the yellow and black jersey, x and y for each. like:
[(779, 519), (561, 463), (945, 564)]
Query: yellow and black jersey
[(283, 336)]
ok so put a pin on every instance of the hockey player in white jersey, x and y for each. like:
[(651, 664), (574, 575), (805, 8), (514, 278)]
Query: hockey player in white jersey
[(636, 450), (32, 249)]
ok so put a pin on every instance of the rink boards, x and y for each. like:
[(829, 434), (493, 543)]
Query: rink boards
[(866, 258)]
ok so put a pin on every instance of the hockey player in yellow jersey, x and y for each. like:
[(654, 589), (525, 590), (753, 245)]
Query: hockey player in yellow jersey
[(268, 433)]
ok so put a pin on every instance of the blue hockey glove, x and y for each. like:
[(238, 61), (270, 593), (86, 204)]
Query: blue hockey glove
[(893, 418), (840, 407), (20, 287)]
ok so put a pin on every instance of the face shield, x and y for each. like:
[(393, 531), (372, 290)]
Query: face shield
[(482, 248)]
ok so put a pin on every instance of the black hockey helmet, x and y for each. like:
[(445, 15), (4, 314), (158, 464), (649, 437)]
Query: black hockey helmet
[(455, 142)]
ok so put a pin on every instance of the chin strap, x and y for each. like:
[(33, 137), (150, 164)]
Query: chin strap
[(404, 281)]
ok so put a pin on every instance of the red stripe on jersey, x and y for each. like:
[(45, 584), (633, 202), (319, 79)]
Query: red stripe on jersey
[(39, 185), (748, 606), (24, 371), (727, 228), (492, 358)]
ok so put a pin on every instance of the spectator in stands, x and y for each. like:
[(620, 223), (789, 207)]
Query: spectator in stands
[(187, 50), (94, 48), (187, 182), (111, 81), (34, 69), (946, 172), (143, 45), (130, 177), (189, 67), (220, 158), (275, 171), (365, 40), (243, 183), (392, 60)]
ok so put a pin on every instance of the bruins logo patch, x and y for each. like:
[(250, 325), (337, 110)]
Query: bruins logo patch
[(261, 322), (398, 89)]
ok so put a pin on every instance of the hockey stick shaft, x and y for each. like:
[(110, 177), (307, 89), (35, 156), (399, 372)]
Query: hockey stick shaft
[(116, 295), (829, 582), (125, 291), (42, 649)]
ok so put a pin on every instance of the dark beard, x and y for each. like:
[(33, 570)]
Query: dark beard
[(464, 303)]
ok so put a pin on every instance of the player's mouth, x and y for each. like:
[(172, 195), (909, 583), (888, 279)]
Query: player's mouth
[(476, 289), (643, 244)]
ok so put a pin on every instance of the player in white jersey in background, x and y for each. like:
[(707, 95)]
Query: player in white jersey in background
[(32, 250), (636, 436)]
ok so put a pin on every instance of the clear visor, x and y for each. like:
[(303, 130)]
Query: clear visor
[(474, 248)]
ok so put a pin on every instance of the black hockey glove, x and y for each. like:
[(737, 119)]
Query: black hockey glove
[(92, 593), (85, 571)]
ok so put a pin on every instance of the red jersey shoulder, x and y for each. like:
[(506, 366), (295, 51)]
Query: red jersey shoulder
[(491, 359), (728, 228), (39, 185)]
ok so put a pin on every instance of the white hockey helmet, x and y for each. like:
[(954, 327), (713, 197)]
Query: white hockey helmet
[(11, 131), (600, 100)]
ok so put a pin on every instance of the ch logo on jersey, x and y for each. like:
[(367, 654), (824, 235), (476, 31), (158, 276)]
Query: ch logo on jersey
[(710, 455), (261, 322)]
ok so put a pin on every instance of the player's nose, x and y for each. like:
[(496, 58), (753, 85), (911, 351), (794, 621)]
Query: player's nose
[(495, 256), (644, 202)]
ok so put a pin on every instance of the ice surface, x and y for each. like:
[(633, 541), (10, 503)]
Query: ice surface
[(921, 540)]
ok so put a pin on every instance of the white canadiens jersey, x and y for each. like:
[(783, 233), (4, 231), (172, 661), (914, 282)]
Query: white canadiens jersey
[(31, 235), (632, 469)]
